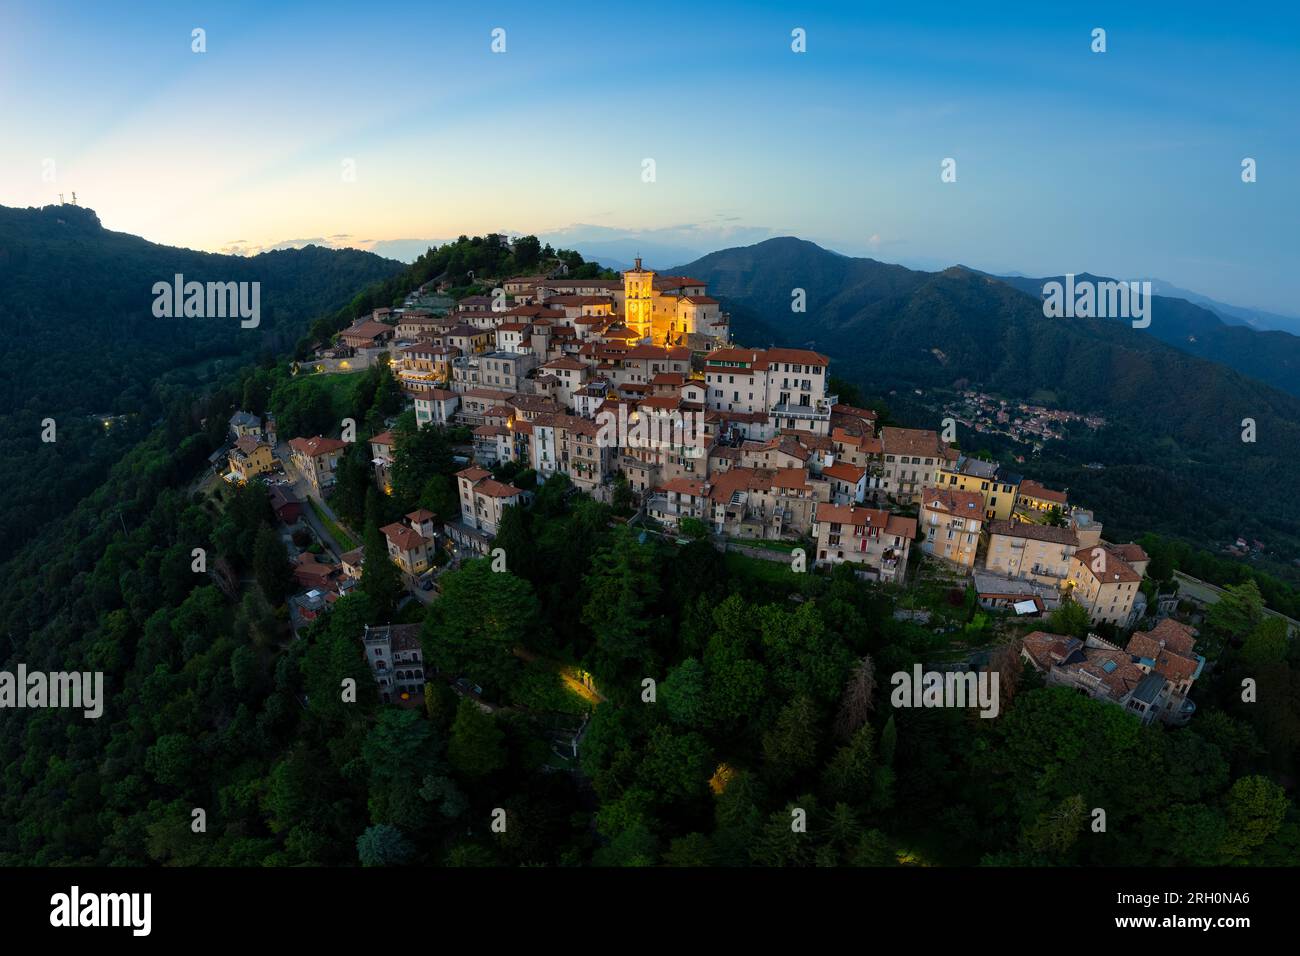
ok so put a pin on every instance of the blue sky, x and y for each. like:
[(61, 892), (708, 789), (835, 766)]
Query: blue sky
[(1125, 163)]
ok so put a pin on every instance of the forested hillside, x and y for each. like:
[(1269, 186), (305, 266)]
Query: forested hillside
[(1173, 450), (82, 343), (772, 698), (1273, 357)]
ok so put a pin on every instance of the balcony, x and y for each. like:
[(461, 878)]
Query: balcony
[(1182, 714), (819, 412), (658, 504)]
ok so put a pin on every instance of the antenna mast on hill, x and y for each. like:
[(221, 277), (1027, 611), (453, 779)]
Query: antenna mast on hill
[(61, 199), (74, 198)]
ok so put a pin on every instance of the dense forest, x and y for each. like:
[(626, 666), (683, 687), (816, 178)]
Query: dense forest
[(769, 703), (733, 712), (85, 349)]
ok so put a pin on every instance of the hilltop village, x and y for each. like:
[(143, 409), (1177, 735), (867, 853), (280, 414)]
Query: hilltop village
[(634, 389)]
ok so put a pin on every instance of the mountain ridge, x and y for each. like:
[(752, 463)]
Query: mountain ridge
[(1176, 461), (76, 309)]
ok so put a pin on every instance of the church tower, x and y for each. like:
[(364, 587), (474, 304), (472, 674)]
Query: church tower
[(638, 295)]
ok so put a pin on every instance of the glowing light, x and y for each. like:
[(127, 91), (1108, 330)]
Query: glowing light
[(721, 778)]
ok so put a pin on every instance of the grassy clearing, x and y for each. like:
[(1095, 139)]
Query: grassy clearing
[(778, 573), (342, 388), (344, 540), (543, 688), (783, 547)]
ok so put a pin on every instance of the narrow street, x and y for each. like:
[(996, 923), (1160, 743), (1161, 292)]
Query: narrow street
[(304, 492)]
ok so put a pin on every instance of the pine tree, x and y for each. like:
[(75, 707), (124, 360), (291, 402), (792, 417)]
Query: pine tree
[(271, 565), (381, 579)]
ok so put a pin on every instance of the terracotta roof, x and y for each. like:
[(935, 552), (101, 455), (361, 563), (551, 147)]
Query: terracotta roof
[(763, 359), (844, 472), (308, 569), (280, 497), (723, 486), (968, 504), (496, 489), (367, 329), (1035, 532), (1047, 649), (1117, 570), (1132, 553), (311, 447), (1171, 646), (1033, 489), (852, 411), (467, 331), (402, 536), (867, 518), (658, 352), (1114, 669), (565, 363), (790, 478), (793, 356), (661, 402), (534, 403), (913, 442), (684, 486)]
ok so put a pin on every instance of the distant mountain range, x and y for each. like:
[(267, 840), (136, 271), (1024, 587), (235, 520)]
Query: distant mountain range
[(1175, 457), (75, 309), (1260, 319), (1270, 356), (617, 249)]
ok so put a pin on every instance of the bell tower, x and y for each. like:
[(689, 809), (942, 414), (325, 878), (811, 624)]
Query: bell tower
[(638, 295)]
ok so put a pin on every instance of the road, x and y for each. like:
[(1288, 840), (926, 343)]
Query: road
[(303, 491), (1208, 593)]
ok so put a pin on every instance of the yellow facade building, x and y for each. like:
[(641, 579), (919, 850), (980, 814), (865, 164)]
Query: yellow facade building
[(989, 480), (250, 458), (1039, 499), (668, 309)]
